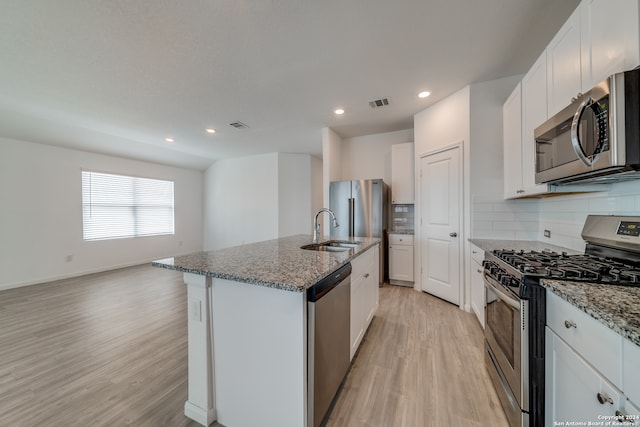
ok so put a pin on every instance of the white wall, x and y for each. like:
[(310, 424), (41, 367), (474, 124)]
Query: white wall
[(369, 156), (41, 214), (316, 184), (241, 201), (255, 198), (443, 124), (331, 161), (294, 194)]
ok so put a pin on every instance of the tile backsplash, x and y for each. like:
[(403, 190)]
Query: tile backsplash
[(563, 216), (495, 218), (402, 218)]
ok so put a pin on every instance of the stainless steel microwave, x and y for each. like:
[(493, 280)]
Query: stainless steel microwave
[(596, 138)]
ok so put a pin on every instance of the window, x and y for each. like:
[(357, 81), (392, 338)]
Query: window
[(117, 206)]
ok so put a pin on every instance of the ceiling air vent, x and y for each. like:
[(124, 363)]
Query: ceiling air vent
[(239, 125), (379, 102)]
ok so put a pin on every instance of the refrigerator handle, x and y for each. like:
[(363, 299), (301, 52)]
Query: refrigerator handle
[(352, 213)]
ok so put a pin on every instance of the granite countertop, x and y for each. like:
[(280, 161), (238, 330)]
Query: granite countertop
[(617, 307), (278, 263)]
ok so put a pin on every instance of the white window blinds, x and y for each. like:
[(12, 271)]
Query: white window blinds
[(118, 206)]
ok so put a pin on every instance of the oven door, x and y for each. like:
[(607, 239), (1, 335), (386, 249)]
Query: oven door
[(506, 333)]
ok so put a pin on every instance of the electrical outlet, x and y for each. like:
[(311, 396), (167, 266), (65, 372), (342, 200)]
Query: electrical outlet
[(547, 233)]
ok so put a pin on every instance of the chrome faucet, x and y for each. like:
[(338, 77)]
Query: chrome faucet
[(316, 226)]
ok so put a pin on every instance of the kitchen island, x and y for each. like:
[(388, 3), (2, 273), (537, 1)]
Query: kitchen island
[(247, 328)]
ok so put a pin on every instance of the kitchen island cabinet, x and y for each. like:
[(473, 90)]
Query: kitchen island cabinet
[(247, 328), (364, 296)]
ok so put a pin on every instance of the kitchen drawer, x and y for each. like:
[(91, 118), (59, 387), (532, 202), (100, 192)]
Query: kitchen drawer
[(363, 265), (401, 239), (596, 343), (631, 371), (477, 254)]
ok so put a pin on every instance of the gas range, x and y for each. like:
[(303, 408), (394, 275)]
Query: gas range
[(509, 266), (616, 263), (515, 305)]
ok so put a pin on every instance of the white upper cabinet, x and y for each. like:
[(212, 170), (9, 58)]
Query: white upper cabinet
[(402, 174), (600, 38), (563, 65), (534, 113), (512, 144), (609, 39), (522, 112)]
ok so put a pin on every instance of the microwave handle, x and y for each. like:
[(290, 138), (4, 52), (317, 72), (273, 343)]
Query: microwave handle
[(575, 137)]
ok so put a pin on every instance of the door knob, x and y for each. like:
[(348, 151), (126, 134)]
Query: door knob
[(453, 234)]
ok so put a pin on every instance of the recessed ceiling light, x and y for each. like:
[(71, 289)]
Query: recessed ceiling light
[(424, 94), (339, 111), (210, 130), (169, 140)]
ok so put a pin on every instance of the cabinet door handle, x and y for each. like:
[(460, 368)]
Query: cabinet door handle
[(604, 398), (479, 271), (366, 276), (453, 234), (570, 324)]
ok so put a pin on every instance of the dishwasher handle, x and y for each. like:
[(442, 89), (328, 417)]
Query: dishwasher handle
[(317, 291)]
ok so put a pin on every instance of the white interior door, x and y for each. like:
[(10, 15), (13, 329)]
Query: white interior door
[(440, 224)]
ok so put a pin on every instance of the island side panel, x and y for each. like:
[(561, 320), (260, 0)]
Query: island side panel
[(260, 354), (200, 405)]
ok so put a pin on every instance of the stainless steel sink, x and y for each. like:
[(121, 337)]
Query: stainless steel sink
[(332, 246)]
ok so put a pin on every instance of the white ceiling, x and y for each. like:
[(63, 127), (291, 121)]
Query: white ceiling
[(118, 76)]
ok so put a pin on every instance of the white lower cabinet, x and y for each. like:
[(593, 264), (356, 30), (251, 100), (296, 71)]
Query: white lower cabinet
[(477, 283), (591, 372), (364, 295), (574, 391), (400, 259)]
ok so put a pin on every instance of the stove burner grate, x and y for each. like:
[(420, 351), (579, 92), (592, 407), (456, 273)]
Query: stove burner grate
[(571, 267)]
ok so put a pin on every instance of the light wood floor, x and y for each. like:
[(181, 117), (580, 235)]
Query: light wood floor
[(110, 349), (421, 364)]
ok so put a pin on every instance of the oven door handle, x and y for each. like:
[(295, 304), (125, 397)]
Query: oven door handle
[(491, 284)]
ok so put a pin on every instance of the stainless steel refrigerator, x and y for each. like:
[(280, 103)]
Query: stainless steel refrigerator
[(361, 207)]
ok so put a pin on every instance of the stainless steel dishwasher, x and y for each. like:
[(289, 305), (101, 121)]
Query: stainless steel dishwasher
[(329, 314)]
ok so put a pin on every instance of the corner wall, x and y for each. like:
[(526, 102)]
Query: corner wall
[(369, 156), (255, 198)]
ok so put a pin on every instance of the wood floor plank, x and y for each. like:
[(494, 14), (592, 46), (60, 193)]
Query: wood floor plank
[(110, 349), (420, 364)]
